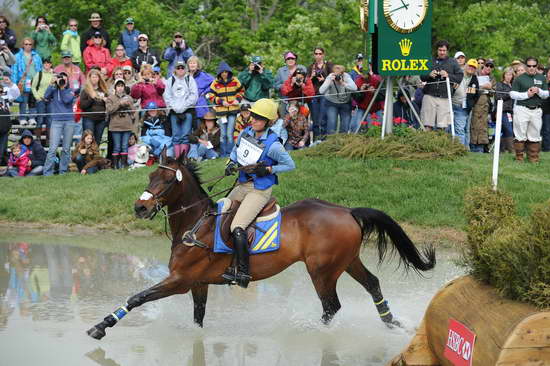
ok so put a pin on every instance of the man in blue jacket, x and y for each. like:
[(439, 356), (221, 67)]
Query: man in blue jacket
[(129, 38), (178, 51)]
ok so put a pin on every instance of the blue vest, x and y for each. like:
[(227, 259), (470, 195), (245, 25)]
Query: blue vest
[(262, 183), (130, 41)]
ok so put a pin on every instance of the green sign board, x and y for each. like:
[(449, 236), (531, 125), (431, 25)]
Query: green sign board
[(403, 37)]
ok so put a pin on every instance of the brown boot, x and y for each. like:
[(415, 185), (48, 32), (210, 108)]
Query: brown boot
[(508, 144), (519, 146), (533, 150)]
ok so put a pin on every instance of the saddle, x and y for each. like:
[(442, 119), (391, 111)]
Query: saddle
[(269, 212)]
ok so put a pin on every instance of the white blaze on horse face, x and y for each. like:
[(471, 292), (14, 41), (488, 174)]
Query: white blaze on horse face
[(145, 196)]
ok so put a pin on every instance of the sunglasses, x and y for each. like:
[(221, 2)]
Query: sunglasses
[(180, 67), (66, 56), (142, 40), (531, 66), (490, 66), (27, 44), (318, 53), (127, 72), (73, 25), (119, 49), (97, 37), (178, 37)]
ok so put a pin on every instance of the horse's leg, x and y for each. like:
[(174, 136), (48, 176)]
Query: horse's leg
[(324, 281), (169, 286), (200, 294), (370, 282)]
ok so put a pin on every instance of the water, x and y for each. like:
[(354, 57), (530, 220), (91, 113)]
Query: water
[(55, 287)]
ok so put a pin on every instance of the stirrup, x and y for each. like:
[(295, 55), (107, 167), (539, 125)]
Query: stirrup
[(242, 279), (230, 275)]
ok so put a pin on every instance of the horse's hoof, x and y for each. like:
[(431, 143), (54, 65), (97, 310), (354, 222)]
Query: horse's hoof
[(96, 333), (393, 323)]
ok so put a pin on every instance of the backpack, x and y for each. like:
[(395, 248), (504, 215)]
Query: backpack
[(5, 120)]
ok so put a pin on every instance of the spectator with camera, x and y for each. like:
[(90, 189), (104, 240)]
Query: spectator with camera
[(435, 112), (144, 55), (284, 72), (9, 92), (7, 59), (39, 84), (338, 87), (43, 38), (7, 35), (479, 138), (92, 102), (129, 37), (318, 71), (256, 80), (36, 153), (367, 83), (70, 43), (176, 52), (97, 55), (181, 95), (226, 92), (27, 64), (147, 89), (95, 26), (76, 76), (61, 99), (298, 87)]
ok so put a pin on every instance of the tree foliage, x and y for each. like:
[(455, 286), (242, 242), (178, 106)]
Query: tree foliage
[(234, 30)]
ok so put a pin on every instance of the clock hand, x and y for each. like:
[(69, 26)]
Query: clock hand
[(406, 6), (401, 7)]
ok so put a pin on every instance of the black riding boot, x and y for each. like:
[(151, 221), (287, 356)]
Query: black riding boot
[(241, 276)]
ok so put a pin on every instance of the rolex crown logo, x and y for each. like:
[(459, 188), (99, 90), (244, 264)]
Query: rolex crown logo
[(405, 45)]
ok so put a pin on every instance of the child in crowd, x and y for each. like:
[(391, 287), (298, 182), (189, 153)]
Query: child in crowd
[(86, 154), (120, 122), (156, 130), (205, 141), (19, 163), (297, 127), (132, 148), (242, 121)]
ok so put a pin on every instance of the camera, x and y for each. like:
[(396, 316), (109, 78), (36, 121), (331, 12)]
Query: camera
[(43, 26), (146, 80), (2, 43), (60, 80), (256, 67), (338, 77), (299, 80)]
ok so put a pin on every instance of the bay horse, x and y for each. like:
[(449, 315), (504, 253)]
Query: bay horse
[(325, 236)]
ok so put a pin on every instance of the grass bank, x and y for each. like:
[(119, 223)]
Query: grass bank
[(424, 193)]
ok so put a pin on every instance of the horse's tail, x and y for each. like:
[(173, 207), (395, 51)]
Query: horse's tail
[(371, 220)]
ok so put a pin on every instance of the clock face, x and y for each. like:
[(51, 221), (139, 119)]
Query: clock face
[(405, 16)]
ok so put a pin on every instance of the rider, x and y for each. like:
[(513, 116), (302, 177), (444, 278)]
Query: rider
[(259, 151)]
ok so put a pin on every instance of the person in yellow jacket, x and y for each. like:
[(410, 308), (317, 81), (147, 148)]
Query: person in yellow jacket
[(71, 41)]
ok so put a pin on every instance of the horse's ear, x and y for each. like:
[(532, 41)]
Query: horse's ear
[(182, 159), (163, 156)]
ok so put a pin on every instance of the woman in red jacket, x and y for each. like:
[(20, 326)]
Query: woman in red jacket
[(119, 59), (149, 89), (97, 55)]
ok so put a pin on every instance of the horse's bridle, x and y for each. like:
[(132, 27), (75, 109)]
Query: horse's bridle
[(157, 197)]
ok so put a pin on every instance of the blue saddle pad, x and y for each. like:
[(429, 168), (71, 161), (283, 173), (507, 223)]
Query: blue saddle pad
[(267, 238)]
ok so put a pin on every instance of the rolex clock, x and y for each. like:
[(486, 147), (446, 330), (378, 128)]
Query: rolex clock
[(405, 16)]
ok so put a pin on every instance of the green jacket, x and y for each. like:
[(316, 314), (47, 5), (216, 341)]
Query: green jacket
[(256, 85), (71, 43), (44, 43), (39, 90)]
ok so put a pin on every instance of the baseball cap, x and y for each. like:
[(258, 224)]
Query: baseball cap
[(359, 56), (472, 62), (179, 63), (127, 68), (94, 16), (459, 54), (156, 69), (288, 55), (490, 61), (66, 54), (151, 105), (97, 34), (516, 62), (143, 35), (120, 81), (129, 21), (178, 34), (245, 106), (300, 71), (256, 59)]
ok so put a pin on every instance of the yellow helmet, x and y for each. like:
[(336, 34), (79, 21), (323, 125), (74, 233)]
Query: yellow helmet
[(266, 108)]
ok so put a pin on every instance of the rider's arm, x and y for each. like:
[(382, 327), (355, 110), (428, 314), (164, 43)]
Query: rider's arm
[(284, 161)]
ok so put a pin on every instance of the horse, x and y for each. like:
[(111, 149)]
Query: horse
[(326, 236)]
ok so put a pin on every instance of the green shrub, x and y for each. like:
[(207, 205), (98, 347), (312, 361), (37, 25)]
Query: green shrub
[(405, 144), (508, 252)]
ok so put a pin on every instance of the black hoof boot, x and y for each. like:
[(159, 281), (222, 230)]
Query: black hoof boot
[(96, 332)]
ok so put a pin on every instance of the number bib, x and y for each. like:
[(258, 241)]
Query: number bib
[(248, 151)]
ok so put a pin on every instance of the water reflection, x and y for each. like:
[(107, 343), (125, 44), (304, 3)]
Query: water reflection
[(50, 294)]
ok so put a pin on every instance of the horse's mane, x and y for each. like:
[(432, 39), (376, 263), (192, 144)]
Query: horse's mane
[(194, 170)]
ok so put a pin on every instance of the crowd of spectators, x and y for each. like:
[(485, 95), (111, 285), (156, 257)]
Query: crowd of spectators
[(189, 111)]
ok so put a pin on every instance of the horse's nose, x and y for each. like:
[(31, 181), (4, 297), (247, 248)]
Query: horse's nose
[(140, 209)]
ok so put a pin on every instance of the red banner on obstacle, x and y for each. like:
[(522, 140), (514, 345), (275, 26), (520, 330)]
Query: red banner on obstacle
[(459, 348)]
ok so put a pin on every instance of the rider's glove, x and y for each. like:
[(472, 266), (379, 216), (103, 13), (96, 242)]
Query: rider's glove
[(261, 170), (231, 168)]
